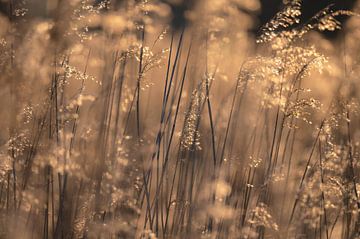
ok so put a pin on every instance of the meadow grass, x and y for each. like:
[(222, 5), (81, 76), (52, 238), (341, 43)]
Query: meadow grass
[(119, 122)]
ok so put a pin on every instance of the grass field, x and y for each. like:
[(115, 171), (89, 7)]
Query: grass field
[(124, 119)]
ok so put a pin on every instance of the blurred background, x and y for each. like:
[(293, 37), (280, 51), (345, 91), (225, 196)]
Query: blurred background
[(45, 8)]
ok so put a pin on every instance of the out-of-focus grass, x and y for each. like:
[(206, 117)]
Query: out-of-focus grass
[(116, 123)]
